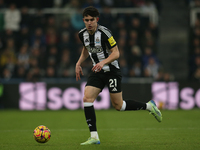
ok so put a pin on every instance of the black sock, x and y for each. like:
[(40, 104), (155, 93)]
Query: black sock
[(90, 117), (135, 105)]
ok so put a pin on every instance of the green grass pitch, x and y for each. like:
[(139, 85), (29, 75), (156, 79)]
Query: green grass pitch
[(137, 130)]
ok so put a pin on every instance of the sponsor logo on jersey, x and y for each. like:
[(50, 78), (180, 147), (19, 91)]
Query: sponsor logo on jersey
[(96, 49), (112, 41)]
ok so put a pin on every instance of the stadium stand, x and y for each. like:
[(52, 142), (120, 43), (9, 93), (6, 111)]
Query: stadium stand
[(45, 45), (194, 41)]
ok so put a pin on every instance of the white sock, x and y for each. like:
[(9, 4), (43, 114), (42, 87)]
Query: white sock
[(149, 107), (123, 106), (94, 134), (87, 104)]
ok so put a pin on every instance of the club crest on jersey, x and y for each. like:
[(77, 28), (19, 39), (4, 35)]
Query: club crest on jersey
[(97, 40), (96, 49)]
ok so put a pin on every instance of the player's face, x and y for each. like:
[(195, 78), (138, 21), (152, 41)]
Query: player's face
[(90, 23)]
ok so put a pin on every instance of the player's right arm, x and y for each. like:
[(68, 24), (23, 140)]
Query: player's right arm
[(82, 58)]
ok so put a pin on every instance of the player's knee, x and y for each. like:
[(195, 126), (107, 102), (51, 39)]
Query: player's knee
[(87, 99), (117, 106)]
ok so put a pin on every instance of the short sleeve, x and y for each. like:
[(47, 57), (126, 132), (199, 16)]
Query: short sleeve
[(109, 39), (80, 35)]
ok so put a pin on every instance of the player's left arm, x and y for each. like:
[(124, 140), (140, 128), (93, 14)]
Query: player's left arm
[(113, 56)]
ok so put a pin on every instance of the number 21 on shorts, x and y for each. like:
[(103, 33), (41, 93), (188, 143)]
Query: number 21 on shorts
[(113, 83)]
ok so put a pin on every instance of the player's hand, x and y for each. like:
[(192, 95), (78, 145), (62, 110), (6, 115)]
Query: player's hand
[(78, 72), (98, 67)]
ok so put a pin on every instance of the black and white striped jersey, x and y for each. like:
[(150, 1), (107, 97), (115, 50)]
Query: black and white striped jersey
[(99, 45)]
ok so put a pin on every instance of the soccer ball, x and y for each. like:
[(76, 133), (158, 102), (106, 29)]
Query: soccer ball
[(42, 134)]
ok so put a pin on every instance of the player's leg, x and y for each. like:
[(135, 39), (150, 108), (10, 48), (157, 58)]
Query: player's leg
[(125, 105), (114, 85), (90, 94)]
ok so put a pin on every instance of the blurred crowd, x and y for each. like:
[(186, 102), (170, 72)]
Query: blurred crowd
[(194, 45), (39, 45)]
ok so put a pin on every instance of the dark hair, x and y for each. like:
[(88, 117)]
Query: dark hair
[(91, 11)]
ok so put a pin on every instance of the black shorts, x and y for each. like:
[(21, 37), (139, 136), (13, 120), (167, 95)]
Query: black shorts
[(110, 79)]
